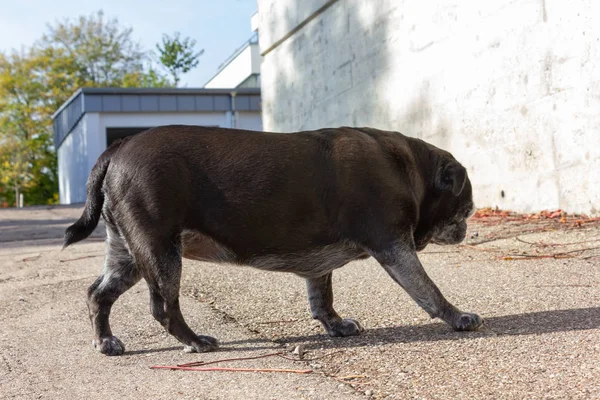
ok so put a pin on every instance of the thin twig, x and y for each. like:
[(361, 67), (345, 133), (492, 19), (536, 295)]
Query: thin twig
[(280, 354), (310, 359), (523, 241), (574, 285), (348, 377), (579, 250), (491, 239), (440, 252), (583, 241), (349, 380), (534, 257), (352, 383), (198, 363), (280, 321), (292, 371), (80, 258), (541, 244), (486, 249), (564, 254), (509, 235)]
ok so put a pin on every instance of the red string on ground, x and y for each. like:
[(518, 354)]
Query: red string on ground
[(291, 371)]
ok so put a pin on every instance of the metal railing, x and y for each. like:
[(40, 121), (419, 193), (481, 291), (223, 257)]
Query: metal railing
[(253, 40)]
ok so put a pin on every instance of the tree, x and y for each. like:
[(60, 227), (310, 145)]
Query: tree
[(27, 99), (178, 55), (35, 81), (14, 172), (104, 52)]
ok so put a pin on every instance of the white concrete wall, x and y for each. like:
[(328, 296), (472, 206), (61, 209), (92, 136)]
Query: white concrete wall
[(249, 120), (510, 87), (238, 70), (276, 18), (125, 120), (76, 157), (254, 22), (96, 141), (72, 160), (255, 59), (82, 147)]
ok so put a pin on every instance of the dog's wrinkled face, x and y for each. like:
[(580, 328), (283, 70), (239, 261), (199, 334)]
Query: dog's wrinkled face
[(444, 213), (453, 231)]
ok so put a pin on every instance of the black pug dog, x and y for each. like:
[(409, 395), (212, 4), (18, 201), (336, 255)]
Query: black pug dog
[(307, 203)]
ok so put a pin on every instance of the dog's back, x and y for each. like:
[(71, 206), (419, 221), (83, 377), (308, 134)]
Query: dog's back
[(255, 193)]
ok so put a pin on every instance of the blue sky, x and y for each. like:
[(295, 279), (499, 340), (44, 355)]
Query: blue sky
[(219, 26)]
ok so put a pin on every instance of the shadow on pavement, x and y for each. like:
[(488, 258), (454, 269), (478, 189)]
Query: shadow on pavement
[(35, 230), (508, 325), (224, 347), (148, 351), (15, 223)]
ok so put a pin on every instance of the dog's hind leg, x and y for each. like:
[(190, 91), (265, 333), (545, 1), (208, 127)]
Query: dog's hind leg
[(119, 274), (163, 275), (320, 297)]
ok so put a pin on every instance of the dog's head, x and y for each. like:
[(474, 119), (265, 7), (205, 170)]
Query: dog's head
[(447, 203)]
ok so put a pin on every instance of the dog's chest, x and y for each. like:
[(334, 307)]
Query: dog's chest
[(315, 261)]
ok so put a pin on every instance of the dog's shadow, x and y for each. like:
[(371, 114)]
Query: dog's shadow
[(508, 325)]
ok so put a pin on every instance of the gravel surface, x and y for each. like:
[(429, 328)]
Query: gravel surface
[(538, 291)]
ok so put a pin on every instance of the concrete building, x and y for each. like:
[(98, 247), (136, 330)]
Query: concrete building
[(511, 88), (241, 69), (93, 118)]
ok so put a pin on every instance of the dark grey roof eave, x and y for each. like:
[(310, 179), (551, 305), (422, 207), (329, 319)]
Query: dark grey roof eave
[(168, 91), (66, 103), (86, 100), (152, 91)]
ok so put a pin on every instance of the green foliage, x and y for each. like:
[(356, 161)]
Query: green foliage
[(102, 50), (34, 82), (147, 78), (178, 55), (14, 171), (28, 86)]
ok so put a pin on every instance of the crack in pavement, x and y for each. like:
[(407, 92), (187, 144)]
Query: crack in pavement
[(211, 302), (197, 295)]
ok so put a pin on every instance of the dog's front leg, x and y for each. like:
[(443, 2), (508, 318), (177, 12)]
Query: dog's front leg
[(320, 297), (403, 265)]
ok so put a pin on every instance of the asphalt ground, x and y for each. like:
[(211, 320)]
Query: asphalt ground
[(535, 282)]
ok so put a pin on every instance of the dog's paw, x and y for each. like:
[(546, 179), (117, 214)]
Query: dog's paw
[(111, 346), (467, 322), (346, 327), (203, 344)]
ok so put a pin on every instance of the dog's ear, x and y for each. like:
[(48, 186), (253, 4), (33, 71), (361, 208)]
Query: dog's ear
[(450, 176)]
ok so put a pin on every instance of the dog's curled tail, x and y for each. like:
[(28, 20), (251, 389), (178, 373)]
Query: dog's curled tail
[(94, 201)]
